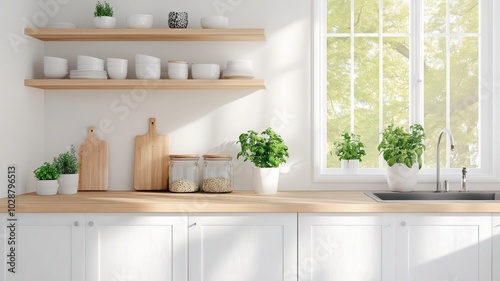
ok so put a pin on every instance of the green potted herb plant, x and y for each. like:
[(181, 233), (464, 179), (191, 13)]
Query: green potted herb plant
[(402, 150), (267, 151), (103, 15), (350, 151), (46, 176), (67, 165)]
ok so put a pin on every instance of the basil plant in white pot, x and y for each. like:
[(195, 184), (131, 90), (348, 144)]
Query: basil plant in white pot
[(402, 150), (46, 176), (267, 151), (350, 152), (103, 15), (67, 165)]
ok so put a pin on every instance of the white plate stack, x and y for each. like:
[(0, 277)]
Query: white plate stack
[(89, 68), (147, 67), (55, 68), (238, 69)]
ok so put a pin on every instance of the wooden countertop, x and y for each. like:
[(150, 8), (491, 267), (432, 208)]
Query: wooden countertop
[(235, 202)]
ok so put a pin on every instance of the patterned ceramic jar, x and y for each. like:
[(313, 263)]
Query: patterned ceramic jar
[(177, 20)]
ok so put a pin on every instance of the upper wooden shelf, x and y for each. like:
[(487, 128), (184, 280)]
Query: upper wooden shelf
[(162, 84), (154, 34)]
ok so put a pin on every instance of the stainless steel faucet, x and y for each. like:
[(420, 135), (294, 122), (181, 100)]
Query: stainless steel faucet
[(438, 158)]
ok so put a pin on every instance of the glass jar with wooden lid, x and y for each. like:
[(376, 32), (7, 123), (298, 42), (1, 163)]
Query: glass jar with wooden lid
[(184, 173), (217, 173)]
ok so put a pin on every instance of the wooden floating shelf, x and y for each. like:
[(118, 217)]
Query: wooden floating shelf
[(154, 34), (162, 84)]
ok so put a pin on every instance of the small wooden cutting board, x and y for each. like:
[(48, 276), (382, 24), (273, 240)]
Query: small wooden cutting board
[(151, 160), (93, 159)]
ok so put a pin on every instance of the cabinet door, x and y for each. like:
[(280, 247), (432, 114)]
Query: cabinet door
[(496, 246), (136, 247), (47, 247), (346, 247), (437, 247), (243, 247)]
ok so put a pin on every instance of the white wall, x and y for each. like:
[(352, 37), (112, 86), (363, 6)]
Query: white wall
[(21, 108), (196, 121)]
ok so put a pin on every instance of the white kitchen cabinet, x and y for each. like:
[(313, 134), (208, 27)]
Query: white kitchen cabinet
[(48, 247), (496, 246), (437, 247), (150, 247), (243, 247), (347, 247)]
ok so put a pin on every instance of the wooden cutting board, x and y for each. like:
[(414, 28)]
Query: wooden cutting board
[(151, 160), (93, 159)]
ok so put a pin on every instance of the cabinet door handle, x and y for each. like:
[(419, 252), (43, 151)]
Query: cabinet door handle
[(91, 223), (76, 223), (403, 223)]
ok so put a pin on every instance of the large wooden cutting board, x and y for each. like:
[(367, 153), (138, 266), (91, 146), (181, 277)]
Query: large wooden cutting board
[(151, 160), (93, 159)]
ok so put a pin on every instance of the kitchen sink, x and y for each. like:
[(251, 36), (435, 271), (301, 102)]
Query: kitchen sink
[(431, 196)]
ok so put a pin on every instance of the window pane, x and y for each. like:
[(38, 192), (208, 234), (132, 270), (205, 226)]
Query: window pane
[(366, 16), (435, 16), (338, 99), (434, 96), (464, 16), (396, 16), (366, 94), (338, 16), (464, 101), (396, 81)]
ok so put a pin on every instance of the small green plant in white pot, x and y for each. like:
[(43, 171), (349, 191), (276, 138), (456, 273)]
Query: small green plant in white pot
[(350, 152), (67, 165), (46, 176), (103, 15), (402, 150), (267, 152)]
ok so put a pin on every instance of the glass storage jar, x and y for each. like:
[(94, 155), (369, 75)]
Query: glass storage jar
[(184, 173), (217, 173)]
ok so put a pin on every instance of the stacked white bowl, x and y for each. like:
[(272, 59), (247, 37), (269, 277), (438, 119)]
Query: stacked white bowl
[(147, 67), (89, 68), (238, 69), (117, 68), (54, 67), (214, 22)]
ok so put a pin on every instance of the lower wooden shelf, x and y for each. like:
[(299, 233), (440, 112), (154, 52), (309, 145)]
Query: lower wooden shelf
[(162, 84)]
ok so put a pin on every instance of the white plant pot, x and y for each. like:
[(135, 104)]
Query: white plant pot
[(350, 166), (265, 180), (104, 22), (48, 187), (68, 184), (401, 178)]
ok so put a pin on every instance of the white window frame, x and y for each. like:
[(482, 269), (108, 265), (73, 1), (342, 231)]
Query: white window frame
[(489, 89)]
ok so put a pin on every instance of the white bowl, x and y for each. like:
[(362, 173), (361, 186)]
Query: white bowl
[(148, 72), (205, 71), (47, 59), (116, 61), (214, 22), (104, 22), (117, 72), (55, 74), (140, 21), (140, 58)]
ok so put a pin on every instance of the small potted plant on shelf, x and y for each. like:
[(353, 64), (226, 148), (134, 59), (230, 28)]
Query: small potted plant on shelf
[(402, 150), (67, 165), (267, 151), (46, 176), (103, 15), (350, 152)]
